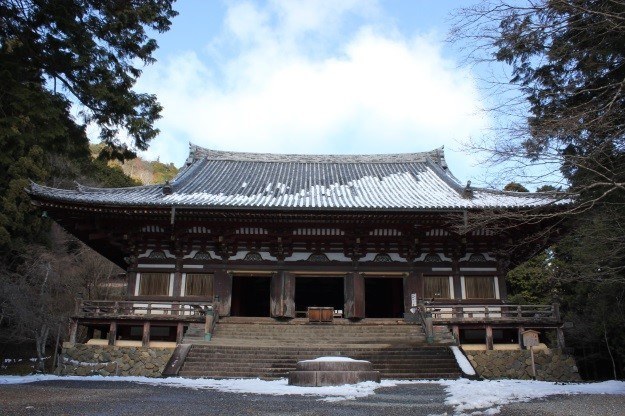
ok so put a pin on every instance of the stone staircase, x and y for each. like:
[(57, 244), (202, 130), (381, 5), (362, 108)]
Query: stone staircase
[(269, 349)]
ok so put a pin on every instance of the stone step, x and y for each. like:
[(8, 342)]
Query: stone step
[(271, 376), (271, 349), (303, 350), (389, 359), (261, 369)]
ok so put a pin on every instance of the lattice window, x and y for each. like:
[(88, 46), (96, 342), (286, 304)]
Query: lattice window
[(157, 254), (477, 258), (432, 258), (253, 256), (199, 284), (436, 287), (479, 287), (318, 257), (382, 258), (202, 255), (154, 284)]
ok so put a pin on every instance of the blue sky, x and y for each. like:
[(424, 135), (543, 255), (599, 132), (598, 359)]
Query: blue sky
[(320, 76)]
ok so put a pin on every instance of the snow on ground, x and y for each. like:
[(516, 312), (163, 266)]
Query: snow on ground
[(463, 362), (333, 359), (253, 386), (489, 395), (474, 397)]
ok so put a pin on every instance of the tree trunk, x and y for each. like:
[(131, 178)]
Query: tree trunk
[(605, 336), (41, 337), (56, 347)]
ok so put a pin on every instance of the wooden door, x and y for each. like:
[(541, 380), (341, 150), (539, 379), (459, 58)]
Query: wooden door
[(354, 296)]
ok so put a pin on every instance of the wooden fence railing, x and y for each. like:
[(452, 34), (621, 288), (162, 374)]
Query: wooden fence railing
[(452, 312), (109, 308)]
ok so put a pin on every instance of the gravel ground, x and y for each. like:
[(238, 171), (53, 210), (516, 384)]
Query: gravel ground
[(124, 398), (121, 398), (586, 404)]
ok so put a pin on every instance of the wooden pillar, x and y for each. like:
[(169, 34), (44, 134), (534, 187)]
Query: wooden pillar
[(112, 333), (222, 282), (73, 330), (354, 293), (521, 330), (502, 271), (560, 338), (411, 289), (456, 277), (131, 277), (282, 295), (145, 341), (489, 337), (179, 332), (503, 291), (178, 277), (455, 330)]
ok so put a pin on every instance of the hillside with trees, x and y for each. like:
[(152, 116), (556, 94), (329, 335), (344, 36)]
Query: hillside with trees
[(145, 172)]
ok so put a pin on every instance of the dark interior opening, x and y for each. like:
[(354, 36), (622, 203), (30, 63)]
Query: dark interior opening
[(319, 291), (472, 336), (97, 332), (384, 297), (506, 336), (250, 296), (163, 333)]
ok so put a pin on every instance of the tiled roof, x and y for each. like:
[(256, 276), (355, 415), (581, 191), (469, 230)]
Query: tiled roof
[(216, 179)]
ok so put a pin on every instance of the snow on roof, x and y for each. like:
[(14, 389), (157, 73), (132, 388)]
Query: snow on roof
[(217, 179)]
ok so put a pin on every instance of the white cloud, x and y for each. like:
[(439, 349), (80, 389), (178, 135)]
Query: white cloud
[(291, 79)]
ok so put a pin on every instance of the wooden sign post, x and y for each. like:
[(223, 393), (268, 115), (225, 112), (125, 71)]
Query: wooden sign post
[(530, 339)]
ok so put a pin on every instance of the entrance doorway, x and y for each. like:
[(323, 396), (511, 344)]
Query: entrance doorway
[(319, 291), (384, 297), (250, 296)]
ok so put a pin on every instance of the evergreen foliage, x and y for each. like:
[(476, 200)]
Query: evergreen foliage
[(55, 54), (515, 187), (91, 50)]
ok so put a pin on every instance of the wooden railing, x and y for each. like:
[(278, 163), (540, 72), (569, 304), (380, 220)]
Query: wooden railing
[(109, 308), (454, 312)]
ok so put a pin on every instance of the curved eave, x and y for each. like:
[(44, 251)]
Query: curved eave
[(62, 203)]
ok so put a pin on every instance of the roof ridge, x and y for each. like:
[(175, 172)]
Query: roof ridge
[(198, 153)]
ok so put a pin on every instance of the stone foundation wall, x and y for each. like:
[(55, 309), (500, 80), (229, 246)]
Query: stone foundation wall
[(108, 360), (551, 365)]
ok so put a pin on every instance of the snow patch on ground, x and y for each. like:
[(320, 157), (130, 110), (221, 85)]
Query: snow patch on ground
[(487, 396), (465, 396), (334, 359), (253, 386), (464, 364)]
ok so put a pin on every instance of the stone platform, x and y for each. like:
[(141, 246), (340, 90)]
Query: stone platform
[(332, 371)]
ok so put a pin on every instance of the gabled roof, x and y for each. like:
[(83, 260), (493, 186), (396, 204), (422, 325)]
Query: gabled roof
[(389, 182)]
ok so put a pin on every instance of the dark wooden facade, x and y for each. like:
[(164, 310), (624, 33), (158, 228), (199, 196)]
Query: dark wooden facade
[(351, 233)]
